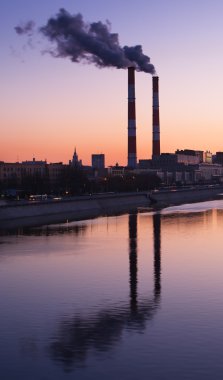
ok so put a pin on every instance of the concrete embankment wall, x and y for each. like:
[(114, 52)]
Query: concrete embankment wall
[(28, 214), (166, 198)]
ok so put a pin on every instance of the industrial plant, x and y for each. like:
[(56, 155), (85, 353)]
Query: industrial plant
[(183, 167)]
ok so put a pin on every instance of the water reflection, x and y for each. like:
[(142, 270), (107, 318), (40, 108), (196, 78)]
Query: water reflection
[(157, 251), (94, 301), (79, 336), (133, 261), (48, 230)]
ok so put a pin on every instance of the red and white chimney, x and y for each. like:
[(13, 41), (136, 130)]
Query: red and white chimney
[(156, 118), (132, 160)]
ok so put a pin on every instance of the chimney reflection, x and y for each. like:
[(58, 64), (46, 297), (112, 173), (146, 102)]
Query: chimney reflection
[(133, 260), (157, 255), (133, 270), (78, 336)]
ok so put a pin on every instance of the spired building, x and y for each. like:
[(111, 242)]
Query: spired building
[(75, 162)]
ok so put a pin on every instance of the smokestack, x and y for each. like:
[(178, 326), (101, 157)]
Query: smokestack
[(156, 121), (132, 160)]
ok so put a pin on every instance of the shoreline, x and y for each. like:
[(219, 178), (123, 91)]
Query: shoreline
[(18, 214), (173, 197), (31, 214)]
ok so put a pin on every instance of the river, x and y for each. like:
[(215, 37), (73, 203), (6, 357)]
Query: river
[(134, 296)]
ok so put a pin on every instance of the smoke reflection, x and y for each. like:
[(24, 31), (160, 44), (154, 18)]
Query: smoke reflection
[(77, 337)]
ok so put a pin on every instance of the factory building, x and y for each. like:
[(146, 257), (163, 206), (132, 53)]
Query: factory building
[(183, 167), (187, 154)]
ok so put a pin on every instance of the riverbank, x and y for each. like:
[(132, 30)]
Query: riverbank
[(168, 197), (28, 213), (16, 214)]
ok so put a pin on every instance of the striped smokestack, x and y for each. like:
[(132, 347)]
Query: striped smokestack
[(132, 160), (156, 118)]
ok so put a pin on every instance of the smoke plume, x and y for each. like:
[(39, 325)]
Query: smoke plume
[(93, 43), (26, 28)]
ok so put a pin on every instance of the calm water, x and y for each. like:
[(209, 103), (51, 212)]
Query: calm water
[(137, 296)]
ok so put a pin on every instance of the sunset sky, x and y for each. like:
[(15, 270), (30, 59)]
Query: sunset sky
[(51, 105)]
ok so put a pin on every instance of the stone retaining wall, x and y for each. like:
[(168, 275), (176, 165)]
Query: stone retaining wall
[(44, 212)]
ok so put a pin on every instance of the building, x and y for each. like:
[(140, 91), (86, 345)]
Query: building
[(219, 158), (209, 173), (207, 157), (55, 171), (14, 172), (144, 164), (191, 152), (174, 159), (75, 162), (98, 161), (200, 154), (176, 168), (188, 157), (34, 168), (10, 172), (116, 170)]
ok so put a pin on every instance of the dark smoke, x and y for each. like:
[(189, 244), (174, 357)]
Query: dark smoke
[(26, 28), (91, 43)]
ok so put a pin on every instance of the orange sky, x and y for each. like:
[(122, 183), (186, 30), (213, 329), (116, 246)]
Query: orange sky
[(49, 106)]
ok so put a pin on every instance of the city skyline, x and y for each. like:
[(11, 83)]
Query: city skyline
[(51, 105)]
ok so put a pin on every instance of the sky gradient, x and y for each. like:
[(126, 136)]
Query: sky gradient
[(51, 105)]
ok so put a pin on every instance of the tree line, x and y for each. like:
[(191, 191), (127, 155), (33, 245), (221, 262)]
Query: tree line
[(76, 181)]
